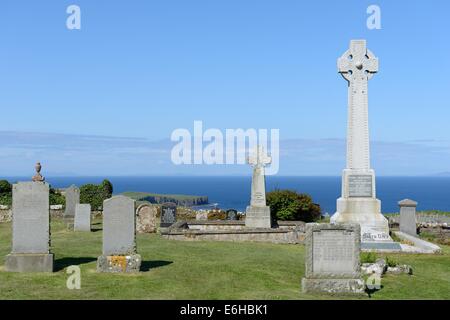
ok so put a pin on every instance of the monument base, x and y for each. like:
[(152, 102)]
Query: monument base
[(29, 262), (333, 285), (367, 213), (258, 217), (119, 264), (374, 226)]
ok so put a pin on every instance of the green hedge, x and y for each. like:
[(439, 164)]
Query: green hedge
[(290, 205), (5, 193), (96, 194)]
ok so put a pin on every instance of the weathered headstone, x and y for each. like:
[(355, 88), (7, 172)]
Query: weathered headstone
[(168, 214), (201, 215), (232, 214), (408, 222), (119, 236), (258, 213), (332, 259), (31, 229), (82, 217), (146, 218), (72, 198), (358, 203)]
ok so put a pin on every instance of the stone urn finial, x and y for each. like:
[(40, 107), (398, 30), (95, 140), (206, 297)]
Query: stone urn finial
[(38, 176)]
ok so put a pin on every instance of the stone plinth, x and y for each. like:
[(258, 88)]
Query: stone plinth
[(408, 221), (258, 217)]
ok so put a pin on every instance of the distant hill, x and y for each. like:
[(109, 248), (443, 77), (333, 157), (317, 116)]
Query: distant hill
[(179, 199)]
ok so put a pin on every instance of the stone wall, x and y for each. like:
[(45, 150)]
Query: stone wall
[(6, 215), (423, 218), (254, 235), (229, 230)]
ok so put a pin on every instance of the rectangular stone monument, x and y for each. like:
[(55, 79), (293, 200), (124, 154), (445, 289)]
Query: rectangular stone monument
[(332, 259), (408, 222), (72, 199), (119, 237), (168, 214), (82, 217), (30, 229), (257, 215)]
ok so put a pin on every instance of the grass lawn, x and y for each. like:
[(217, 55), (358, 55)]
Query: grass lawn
[(201, 270)]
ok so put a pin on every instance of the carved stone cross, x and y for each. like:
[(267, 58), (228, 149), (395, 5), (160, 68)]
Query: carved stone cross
[(259, 158), (357, 66)]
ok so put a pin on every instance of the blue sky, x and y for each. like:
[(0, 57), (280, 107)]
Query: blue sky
[(140, 69)]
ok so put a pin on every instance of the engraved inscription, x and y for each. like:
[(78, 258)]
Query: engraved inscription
[(333, 251), (360, 186)]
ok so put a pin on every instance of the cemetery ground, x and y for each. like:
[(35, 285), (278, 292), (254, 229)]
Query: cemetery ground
[(202, 270)]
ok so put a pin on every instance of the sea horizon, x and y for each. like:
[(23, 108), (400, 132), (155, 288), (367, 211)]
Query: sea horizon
[(233, 191)]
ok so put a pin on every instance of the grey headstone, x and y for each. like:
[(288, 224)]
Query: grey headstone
[(168, 214), (72, 198), (232, 214), (31, 229), (408, 222), (82, 217), (119, 228), (332, 258), (119, 236)]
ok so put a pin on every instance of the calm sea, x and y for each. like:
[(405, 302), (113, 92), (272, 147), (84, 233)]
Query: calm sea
[(234, 192)]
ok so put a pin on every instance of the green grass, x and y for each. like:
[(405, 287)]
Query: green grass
[(202, 270)]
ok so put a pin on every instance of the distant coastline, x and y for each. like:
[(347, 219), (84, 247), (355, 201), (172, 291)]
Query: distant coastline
[(233, 192)]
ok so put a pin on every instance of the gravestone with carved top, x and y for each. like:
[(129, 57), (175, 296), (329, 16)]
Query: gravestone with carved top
[(257, 214), (30, 227)]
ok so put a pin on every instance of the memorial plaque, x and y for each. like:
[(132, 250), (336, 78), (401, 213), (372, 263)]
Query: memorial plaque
[(168, 214), (360, 186), (333, 251)]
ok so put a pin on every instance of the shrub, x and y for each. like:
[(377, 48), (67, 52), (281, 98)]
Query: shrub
[(5, 187), (5, 193), (368, 257), (96, 194), (217, 215), (391, 262), (290, 205), (56, 197)]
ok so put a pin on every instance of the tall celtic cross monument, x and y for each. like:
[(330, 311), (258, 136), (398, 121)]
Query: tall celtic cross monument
[(258, 213), (358, 203)]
